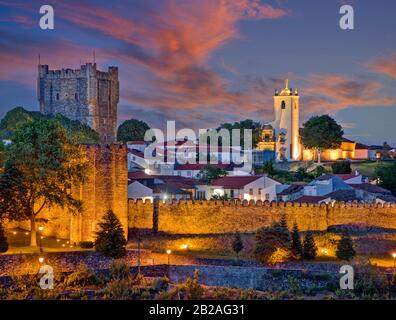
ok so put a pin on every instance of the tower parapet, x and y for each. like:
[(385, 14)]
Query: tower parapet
[(86, 94)]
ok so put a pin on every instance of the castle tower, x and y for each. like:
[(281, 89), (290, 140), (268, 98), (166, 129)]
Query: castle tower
[(87, 95), (287, 124)]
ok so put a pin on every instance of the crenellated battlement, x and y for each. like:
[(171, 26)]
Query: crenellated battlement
[(86, 94)]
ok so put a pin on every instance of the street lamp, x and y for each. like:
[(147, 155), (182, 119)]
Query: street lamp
[(394, 259), (41, 228), (168, 252), (41, 259)]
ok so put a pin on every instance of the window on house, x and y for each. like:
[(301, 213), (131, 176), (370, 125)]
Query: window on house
[(283, 106), (259, 191), (232, 194), (57, 96), (133, 158), (104, 120), (267, 196), (251, 192), (179, 173), (189, 173), (76, 96)]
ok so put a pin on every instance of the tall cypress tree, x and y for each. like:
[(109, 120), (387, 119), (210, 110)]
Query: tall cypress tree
[(345, 250), (110, 239), (237, 243), (3, 240), (296, 245), (309, 247)]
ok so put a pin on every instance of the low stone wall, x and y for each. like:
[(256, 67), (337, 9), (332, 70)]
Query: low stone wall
[(251, 277)]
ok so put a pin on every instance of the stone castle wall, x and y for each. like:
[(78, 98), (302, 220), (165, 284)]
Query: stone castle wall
[(106, 188), (87, 95), (211, 217)]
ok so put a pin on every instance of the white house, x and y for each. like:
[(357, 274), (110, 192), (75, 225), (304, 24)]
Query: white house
[(259, 187), (324, 185)]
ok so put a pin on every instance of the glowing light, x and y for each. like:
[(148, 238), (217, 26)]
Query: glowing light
[(63, 245), (165, 197), (168, 251), (41, 259), (67, 242), (14, 232), (394, 255), (184, 246), (147, 171), (41, 228), (325, 251), (27, 233), (41, 237), (57, 240)]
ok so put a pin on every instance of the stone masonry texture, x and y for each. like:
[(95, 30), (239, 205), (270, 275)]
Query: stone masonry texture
[(87, 95)]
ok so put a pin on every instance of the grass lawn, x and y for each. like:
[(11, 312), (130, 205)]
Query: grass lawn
[(368, 168), (19, 241)]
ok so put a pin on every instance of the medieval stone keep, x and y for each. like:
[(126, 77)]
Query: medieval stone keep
[(87, 95)]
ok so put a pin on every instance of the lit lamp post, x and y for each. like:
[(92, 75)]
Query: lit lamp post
[(168, 252), (378, 156), (41, 259), (41, 228), (394, 259)]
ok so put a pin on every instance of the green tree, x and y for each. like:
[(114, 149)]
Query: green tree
[(271, 239), (256, 128), (3, 240), (77, 132), (309, 247), (268, 168), (386, 174), (209, 173), (341, 167), (320, 133), (301, 174), (41, 169), (345, 250), (296, 245), (237, 243), (110, 240), (131, 130)]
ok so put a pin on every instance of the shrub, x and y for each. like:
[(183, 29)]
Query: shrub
[(86, 244), (370, 281), (341, 167), (296, 246), (309, 247), (272, 240), (119, 289), (119, 270), (3, 240), (237, 243), (81, 277), (192, 289), (110, 240), (345, 249), (160, 284)]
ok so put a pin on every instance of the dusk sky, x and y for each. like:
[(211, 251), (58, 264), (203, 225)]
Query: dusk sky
[(205, 62)]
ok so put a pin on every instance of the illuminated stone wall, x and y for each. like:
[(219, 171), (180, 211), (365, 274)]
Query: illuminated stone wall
[(105, 189), (211, 217)]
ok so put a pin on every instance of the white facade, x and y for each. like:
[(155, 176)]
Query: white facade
[(137, 190), (287, 124), (263, 188)]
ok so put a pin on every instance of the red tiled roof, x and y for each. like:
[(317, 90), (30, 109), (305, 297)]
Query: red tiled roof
[(360, 146), (177, 181), (234, 182), (310, 199), (198, 166), (346, 176)]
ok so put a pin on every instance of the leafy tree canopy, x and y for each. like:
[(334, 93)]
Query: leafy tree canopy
[(386, 174), (210, 173), (77, 132), (321, 132), (341, 167), (41, 168), (132, 130)]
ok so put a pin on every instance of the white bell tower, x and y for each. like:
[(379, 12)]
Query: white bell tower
[(287, 124)]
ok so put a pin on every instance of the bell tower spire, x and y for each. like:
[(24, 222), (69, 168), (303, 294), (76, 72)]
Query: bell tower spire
[(287, 84)]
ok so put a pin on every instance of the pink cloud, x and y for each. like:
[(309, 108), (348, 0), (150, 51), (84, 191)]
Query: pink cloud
[(384, 65)]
